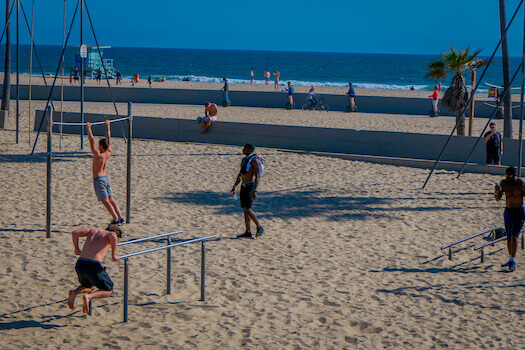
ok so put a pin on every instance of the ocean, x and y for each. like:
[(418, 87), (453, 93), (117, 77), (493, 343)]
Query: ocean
[(378, 71)]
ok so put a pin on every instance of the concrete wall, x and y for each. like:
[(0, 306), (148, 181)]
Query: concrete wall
[(365, 143), (366, 104)]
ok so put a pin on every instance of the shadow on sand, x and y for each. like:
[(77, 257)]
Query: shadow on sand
[(297, 204)]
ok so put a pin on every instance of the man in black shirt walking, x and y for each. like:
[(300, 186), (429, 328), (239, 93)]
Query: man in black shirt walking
[(494, 145)]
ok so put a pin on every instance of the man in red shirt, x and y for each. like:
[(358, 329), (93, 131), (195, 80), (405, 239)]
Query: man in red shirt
[(435, 99)]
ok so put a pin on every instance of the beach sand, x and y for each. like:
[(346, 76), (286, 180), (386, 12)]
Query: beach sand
[(350, 259)]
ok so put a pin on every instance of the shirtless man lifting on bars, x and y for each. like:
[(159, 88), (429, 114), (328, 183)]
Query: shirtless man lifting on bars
[(91, 273)]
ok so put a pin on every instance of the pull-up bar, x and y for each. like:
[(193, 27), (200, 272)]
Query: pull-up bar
[(126, 267), (50, 124), (95, 123)]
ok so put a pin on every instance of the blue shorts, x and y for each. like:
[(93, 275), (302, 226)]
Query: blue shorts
[(92, 273), (514, 219), (102, 187)]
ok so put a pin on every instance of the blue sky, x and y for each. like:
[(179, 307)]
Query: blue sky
[(403, 26)]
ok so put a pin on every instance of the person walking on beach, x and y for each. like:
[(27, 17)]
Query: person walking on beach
[(91, 274), (276, 83), (351, 97), (100, 176), (149, 80), (249, 175), (494, 146), (75, 75), (98, 76), (210, 116), (251, 77), (266, 77), (118, 77), (225, 89), (435, 99), (290, 90), (514, 214)]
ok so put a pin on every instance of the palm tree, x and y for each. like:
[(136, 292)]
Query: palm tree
[(456, 96), (6, 94)]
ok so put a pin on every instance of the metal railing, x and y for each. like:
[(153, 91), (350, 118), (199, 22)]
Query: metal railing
[(449, 246), (168, 247), (482, 253)]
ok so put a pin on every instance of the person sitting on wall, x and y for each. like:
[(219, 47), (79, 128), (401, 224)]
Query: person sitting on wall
[(210, 116)]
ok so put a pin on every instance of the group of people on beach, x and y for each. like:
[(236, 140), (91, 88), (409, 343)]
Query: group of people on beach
[(94, 281)]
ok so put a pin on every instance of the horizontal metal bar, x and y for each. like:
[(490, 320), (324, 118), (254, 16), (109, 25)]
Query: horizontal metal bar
[(489, 243), (147, 238), (495, 241), (95, 123), (166, 247), (470, 237)]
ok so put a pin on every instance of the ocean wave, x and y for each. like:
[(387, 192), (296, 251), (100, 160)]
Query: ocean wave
[(380, 86), (205, 79)]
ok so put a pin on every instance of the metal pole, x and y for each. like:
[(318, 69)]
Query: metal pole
[(203, 269), (520, 150), (49, 162), (449, 253), (126, 287), (17, 70), (522, 242), (482, 256), (168, 270), (128, 177), (30, 68), (90, 307), (62, 81), (81, 77)]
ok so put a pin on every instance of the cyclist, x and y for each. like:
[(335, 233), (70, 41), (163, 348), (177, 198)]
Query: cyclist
[(311, 98)]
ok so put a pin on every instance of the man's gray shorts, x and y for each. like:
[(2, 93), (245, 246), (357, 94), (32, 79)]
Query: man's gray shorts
[(102, 187)]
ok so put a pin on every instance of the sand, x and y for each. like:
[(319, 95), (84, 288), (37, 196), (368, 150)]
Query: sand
[(351, 257)]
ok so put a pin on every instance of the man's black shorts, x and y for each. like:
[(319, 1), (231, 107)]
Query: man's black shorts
[(246, 195), (493, 157), (92, 273)]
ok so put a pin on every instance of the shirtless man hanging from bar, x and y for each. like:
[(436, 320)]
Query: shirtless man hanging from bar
[(91, 273), (100, 176)]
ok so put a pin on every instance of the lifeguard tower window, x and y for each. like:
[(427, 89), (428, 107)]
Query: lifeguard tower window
[(93, 62)]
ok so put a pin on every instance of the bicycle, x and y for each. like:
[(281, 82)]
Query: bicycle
[(310, 105)]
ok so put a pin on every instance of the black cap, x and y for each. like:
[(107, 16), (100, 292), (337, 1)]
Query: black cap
[(510, 171)]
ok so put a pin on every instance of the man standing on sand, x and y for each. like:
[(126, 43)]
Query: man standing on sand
[(514, 214), (210, 116), (91, 273), (100, 176), (351, 97), (118, 77), (494, 145), (225, 89), (266, 77), (251, 77), (276, 83), (250, 174), (435, 99), (290, 90)]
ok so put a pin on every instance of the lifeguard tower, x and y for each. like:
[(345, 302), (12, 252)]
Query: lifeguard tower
[(92, 63)]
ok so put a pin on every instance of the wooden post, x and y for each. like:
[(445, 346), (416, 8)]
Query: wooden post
[(471, 107), (128, 167)]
